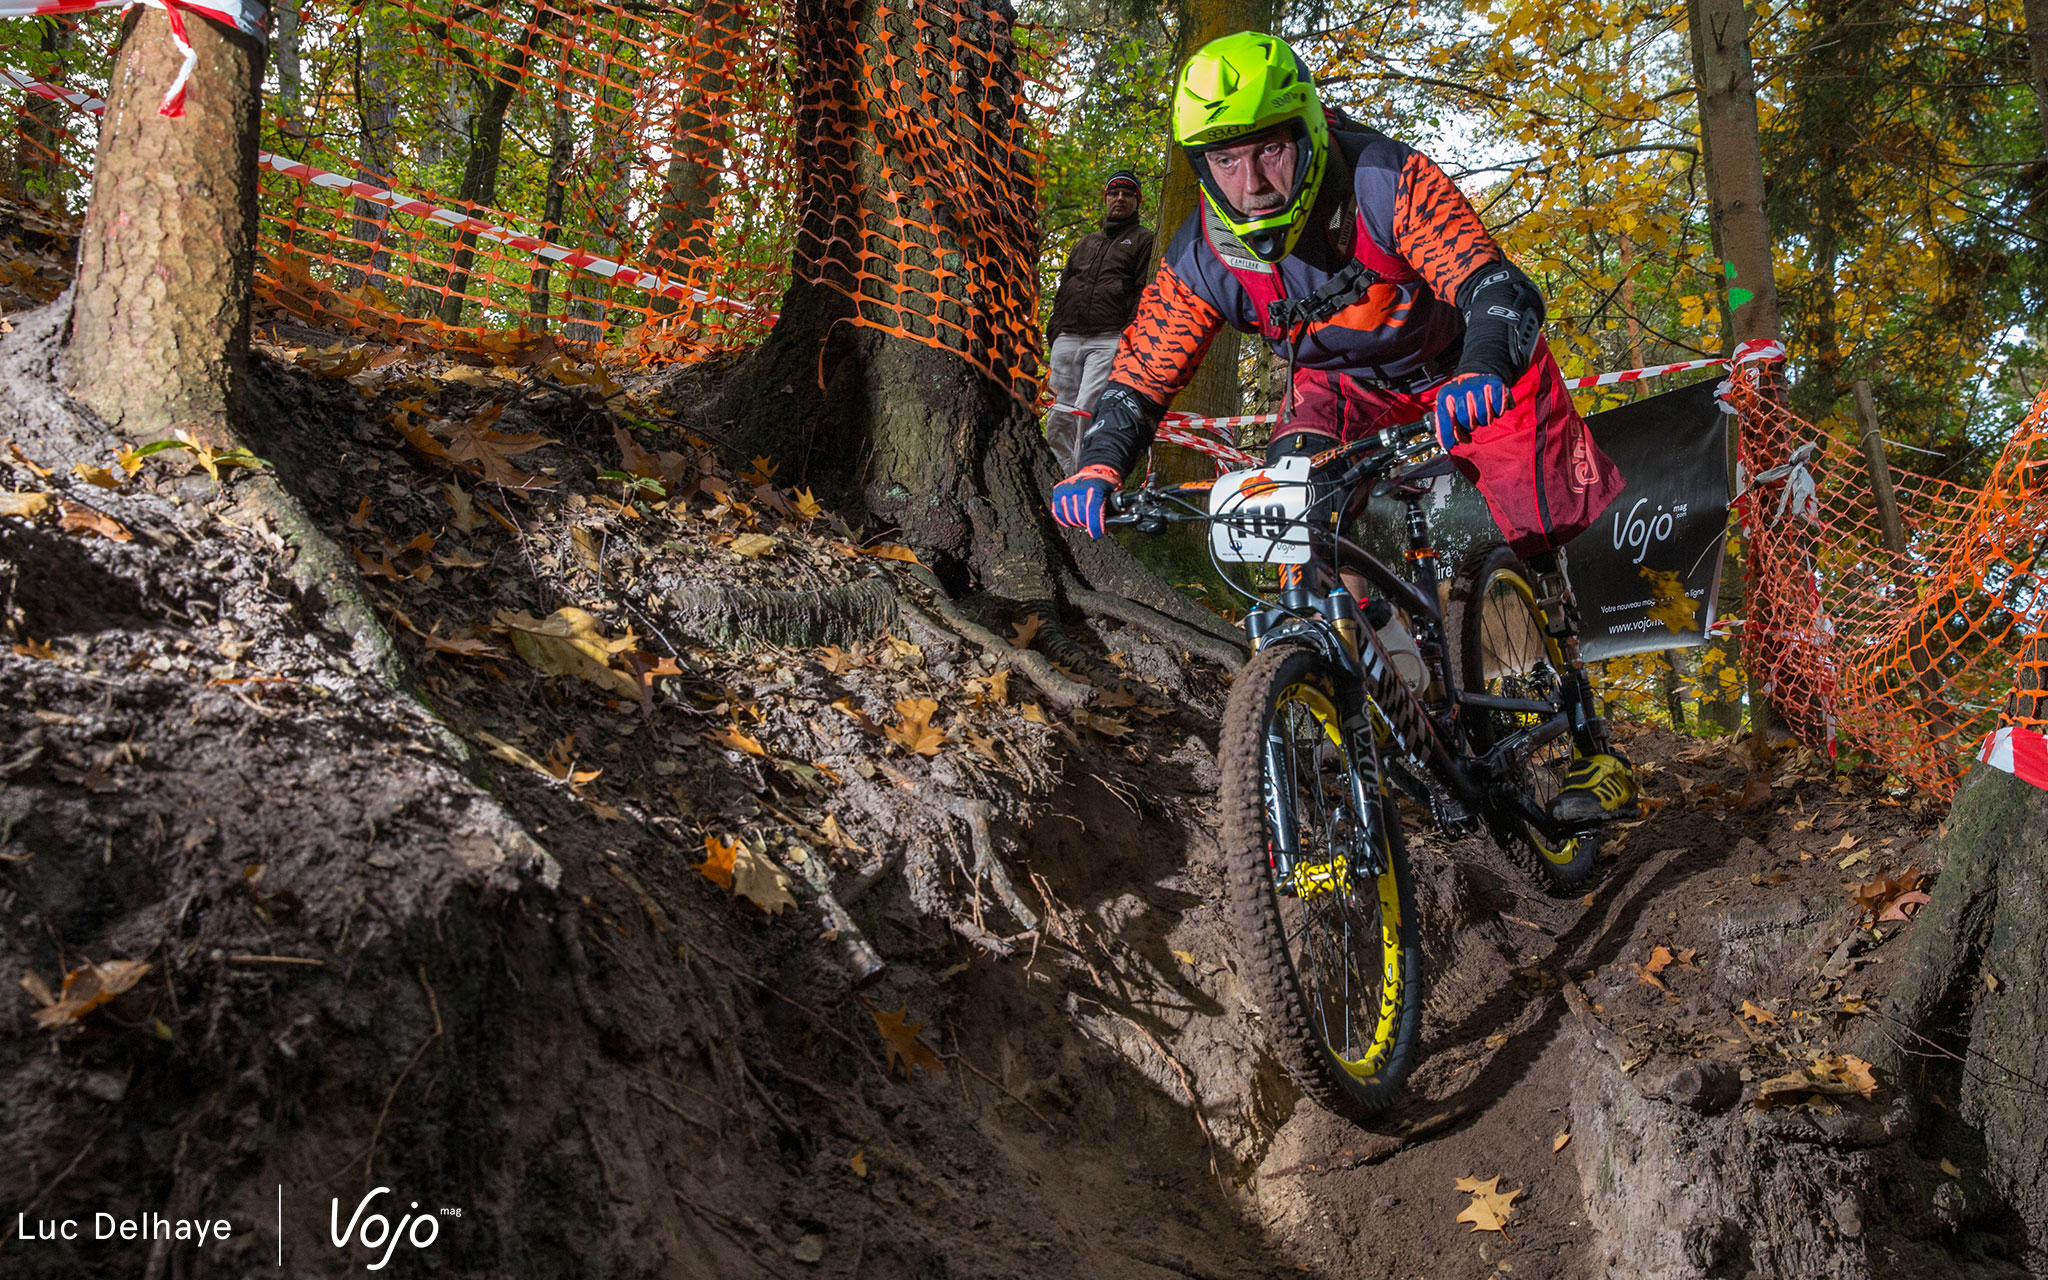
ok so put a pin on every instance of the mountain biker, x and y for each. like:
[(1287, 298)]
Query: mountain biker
[(1394, 302)]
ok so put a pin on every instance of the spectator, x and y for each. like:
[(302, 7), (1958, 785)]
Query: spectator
[(1098, 296)]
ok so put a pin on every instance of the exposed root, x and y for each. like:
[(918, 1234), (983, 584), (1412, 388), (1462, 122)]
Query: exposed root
[(1058, 689), (740, 617), (987, 864), (1156, 624)]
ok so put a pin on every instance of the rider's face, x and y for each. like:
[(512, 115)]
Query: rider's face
[(1257, 174)]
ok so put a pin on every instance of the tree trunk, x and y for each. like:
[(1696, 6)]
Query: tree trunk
[(33, 169), (561, 147), (2037, 49), (377, 118), (682, 238), (496, 86), (915, 437), (1726, 79), (1968, 1017), (160, 326), (284, 43)]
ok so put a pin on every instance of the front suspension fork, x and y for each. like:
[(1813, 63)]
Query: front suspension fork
[(1561, 619)]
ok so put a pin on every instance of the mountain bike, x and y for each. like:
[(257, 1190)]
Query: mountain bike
[(1322, 735)]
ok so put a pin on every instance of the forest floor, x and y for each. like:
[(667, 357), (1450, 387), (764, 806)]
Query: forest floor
[(583, 951)]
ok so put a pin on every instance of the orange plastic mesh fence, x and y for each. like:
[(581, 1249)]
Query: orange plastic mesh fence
[(1910, 658), (686, 143)]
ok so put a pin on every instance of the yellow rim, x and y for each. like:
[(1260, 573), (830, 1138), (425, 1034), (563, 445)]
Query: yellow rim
[(1563, 854), (1322, 879)]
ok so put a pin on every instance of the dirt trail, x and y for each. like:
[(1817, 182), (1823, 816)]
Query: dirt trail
[(507, 988)]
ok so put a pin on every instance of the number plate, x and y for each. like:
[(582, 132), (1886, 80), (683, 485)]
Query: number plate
[(1259, 514)]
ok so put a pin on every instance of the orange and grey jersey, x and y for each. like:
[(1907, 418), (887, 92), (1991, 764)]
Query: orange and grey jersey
[(1385, 206)]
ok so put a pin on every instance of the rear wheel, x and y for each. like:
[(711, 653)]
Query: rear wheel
[(1502, 648), (1319, 886)]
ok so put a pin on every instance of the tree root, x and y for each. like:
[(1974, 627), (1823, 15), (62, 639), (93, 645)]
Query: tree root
[(739, 617), (1058, 689), (1230, 656)]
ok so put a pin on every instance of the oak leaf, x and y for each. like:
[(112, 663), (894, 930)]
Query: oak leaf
[(914, 731), (1828, 1075), (738, 741), (900, 1035), (491, 451), (1757, 1014), (891, 551), (761, 472), (465, 512), (1490, 1208), (1026, 631), (754, 545), (1897, 909), (838, 661), (720, 855), (756, 878), (569, 642), (84, 989), (838, 839), (97, 476), (807, 505)]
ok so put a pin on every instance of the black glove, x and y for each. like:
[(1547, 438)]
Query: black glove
[(1121, 430), (1503, 314)]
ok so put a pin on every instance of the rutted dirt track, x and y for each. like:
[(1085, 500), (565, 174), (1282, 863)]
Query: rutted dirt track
[(375, 963)]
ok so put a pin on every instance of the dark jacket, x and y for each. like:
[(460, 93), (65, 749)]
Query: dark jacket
[(1104, 276)]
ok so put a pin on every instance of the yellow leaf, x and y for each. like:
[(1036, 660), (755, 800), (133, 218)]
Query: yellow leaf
[(756, 878), (761, 472), (807, 505), (900, 1035), (569, 642), (754, 545), (859, 1164), (1185, 957), (1757, 1014), (1676, 610), (1948, 1167), (891, 551), (583, 542), (1033, 714), (914, 731), (836, 660), (25, 505), (1490, 1208), (738, 741), (719, 857), (100, 476), (838, 839), (1557, 1143)]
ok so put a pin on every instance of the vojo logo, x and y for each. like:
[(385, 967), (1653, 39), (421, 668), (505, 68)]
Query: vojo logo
[(374, 1231)]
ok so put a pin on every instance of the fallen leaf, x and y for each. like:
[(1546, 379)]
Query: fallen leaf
[(475, 441), (26, 505), (569, 642), (761, 472), (416, 435), (76, 517), (1828, 1075), (859, 1163), (755, 545), (838, 839), (1026, 631), (1031, 713), (1757, 1014), (912, 654), (1948, 1167), (738, 741), (1557, 1143), (98, 476), (1897, 909), (1490, 1208), (1755, 794), (1108, 726), (584, 545), (361, 518), (720, 855), (845, 707), (836, 660), (1848, 841), (1185, 957), (465, 512), (756, 878), (1861, 855), (87, 988), (36, 649), (900, 1035), (891, 551), (807, 506), (914, 732)]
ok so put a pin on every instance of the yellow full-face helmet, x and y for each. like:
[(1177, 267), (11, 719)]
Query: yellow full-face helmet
[(1242, 85)]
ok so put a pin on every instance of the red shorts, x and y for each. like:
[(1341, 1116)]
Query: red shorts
[(1542, 476)]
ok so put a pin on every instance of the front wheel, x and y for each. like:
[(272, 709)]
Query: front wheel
[(1319, 886), (1502, 648)]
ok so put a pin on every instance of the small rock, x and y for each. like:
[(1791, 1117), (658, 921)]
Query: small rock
[(1847, 1214), (104, 1085), (810, 1249), (1385, 1202)]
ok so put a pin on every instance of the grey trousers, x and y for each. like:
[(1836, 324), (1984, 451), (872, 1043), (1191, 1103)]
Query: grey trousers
[(1080, 369)]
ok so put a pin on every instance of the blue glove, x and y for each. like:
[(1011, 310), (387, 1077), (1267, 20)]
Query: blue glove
[(1466, 403), (1079, 501)]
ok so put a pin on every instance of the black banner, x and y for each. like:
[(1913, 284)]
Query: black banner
[(1648, 573)]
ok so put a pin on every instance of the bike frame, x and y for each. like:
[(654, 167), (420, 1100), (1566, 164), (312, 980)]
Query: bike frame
[(1430, 736)]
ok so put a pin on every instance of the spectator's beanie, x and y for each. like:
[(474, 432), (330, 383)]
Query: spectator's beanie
[(1123, 180)]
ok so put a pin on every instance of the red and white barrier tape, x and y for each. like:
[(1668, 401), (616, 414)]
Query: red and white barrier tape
[(2019, 751), (590, 262), (251, 17)]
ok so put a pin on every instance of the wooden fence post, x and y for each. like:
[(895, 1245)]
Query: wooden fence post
[(1880, 475)]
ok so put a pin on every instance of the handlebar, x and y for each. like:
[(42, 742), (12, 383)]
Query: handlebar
[(1155, 506)]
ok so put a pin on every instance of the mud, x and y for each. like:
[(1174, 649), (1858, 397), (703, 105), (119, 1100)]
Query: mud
[(377, 963)]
